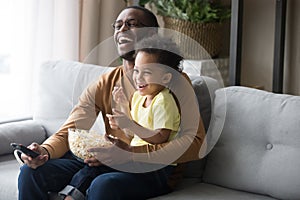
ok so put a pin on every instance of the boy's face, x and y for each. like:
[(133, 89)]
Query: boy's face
[(149, 76)]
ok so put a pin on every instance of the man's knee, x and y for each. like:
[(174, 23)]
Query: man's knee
[(25, 171), (107, 181), (103, 183)]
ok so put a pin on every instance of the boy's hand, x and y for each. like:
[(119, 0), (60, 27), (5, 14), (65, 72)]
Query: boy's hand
[(119, 96), (119, 120)]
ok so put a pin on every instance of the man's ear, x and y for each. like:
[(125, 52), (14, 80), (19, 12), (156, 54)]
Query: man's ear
[(166, 78)]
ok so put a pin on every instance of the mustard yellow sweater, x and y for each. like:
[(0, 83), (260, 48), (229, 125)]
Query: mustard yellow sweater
[(98, 98)]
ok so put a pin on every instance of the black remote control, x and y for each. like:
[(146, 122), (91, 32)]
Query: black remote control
[(25, 150)]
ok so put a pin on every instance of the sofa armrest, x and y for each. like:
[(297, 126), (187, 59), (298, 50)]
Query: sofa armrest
[(24, 132)]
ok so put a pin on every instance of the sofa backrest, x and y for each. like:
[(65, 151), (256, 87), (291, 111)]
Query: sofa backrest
[(59, 85), (204, 88), (259, 148)]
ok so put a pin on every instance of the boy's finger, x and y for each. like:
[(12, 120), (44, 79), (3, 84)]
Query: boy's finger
[(117, 112)]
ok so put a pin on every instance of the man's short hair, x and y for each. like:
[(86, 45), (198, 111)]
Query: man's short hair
[(149, 15)]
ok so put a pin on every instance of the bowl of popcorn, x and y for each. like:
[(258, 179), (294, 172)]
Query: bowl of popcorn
[(82, 140)]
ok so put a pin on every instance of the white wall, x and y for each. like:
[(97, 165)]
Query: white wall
[(258, 45), (292, 62)]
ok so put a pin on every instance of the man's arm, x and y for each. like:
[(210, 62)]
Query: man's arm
[(180, 150), (97, 97), (191, 138), (82, 116)]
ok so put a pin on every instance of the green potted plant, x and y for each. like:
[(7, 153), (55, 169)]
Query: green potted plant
[(202, 20)]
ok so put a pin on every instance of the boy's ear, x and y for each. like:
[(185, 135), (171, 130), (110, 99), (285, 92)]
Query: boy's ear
[(166, 78)]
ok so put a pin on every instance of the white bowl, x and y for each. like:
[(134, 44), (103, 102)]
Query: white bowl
[(82, 140)]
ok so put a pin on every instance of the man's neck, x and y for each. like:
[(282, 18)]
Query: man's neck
[(128, 65)]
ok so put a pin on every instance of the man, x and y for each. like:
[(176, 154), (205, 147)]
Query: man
[(52, 171)]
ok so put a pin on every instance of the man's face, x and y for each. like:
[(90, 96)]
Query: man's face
[(126, 33)]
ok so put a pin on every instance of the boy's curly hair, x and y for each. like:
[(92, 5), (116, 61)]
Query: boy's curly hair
[(166, 51)]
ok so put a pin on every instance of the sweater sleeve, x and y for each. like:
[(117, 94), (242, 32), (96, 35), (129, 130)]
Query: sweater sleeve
[(82, 116), (96, 98)]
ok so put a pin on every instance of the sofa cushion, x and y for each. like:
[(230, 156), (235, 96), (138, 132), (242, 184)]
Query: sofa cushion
[(24, 132), (9, 169), (205, 88), (259, 148), (203, 191), (59, 85)]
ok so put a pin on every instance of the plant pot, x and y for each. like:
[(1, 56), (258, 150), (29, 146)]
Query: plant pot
[(208, 35)]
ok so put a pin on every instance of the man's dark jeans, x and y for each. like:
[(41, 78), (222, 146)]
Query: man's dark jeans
[(34, 184)]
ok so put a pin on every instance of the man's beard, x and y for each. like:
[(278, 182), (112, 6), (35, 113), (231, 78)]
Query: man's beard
[(128, 55)]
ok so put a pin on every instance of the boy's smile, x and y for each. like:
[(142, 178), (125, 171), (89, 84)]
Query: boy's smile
[(148, 75)]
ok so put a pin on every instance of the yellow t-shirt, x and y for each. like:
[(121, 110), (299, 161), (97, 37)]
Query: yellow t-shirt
[(161, 113)]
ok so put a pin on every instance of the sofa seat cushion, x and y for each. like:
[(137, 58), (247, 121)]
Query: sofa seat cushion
[(259, 147), (203, 191), (9, 169)]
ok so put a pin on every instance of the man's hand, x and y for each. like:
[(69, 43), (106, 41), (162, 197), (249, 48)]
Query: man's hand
[(39, 160), (114, 154), (92, 162), (119, 143)]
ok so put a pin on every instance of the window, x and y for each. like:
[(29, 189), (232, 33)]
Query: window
[(15, 76), (32, 32)]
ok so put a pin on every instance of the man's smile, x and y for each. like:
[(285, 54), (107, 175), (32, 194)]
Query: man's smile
[(124, 40)]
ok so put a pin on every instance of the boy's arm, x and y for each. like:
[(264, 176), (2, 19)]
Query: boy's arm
[(121, 120), (122, 104)]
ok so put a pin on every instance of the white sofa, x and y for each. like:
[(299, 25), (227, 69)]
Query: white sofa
[(254, 158)]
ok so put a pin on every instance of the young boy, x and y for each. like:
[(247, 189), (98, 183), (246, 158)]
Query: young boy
[(154, 111)]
